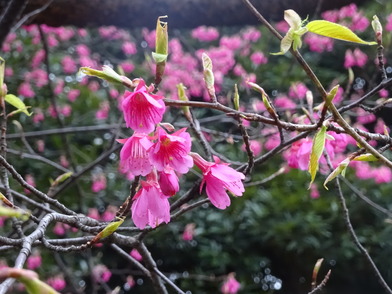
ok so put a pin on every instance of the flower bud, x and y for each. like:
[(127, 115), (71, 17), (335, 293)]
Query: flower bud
[(208, 74), (377, 27)]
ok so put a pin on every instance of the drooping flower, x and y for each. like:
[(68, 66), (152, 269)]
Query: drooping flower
[(133, 156), (135, 254), (57, 282), (168, 181), (231, 285), (172, 150), (101, 273), (218, 178), (189, 232), (150, 206), (142, 110), (34, 261)]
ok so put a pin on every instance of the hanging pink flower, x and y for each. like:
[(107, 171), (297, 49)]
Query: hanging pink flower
[(58, 283), (172, 150), (133, 155), (218, 178), (142, 110), (189, 232), (135, 254), (101, 273), (231, 285), (150, 206), (168, 181), (34, 261)]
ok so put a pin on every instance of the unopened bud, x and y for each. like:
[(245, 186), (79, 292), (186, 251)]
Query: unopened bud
[(208, 74), (161, 43), (377, 27), (182, 96), (236, 99)]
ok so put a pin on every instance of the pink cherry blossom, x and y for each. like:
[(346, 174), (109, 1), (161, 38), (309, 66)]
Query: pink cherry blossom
[(219, 177), (93, 213), (127, 66), (205, 34), (150, 206), (255, 146), (25, 90), (9, 72), (298, 90), (383, 93), (68, 64), (59, 87), (31, 181), (136, 255), (251, 34), (189, 232), (129, 48), (318, 43), (38, 58), (103, 111), (168, 181), (34, 261), (258, 58), (99, 183), (73, 94), (233, 42), (360, 57), (142, 110), (172, 150), (101, 273), (231, 285), (134, 156), (314, 192), (149, 36), (284, 102), (388, 26), (59, 229), (58, 283), (349, 59), (82, 50), (109, 214), (382, 174)]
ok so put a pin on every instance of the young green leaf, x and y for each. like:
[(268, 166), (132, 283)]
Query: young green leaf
[(10, 212), (317, 151), (331, 95), (365, 157), (336, 31), (17, 103), (341, 169)]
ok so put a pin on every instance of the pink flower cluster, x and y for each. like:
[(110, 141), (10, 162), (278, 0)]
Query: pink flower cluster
[(298, 156), (161, 157), (355, 58), (231, 285), (205, 34), (349, 16)]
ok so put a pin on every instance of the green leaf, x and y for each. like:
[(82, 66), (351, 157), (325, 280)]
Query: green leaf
[(336, 31), (331, 95), (365, 157), (317, 151), (61, 178), (341, 169), (10, 212), (36, 286), (158, 58), (285, 43), (107, 74), (109, 229), (17, 103)]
